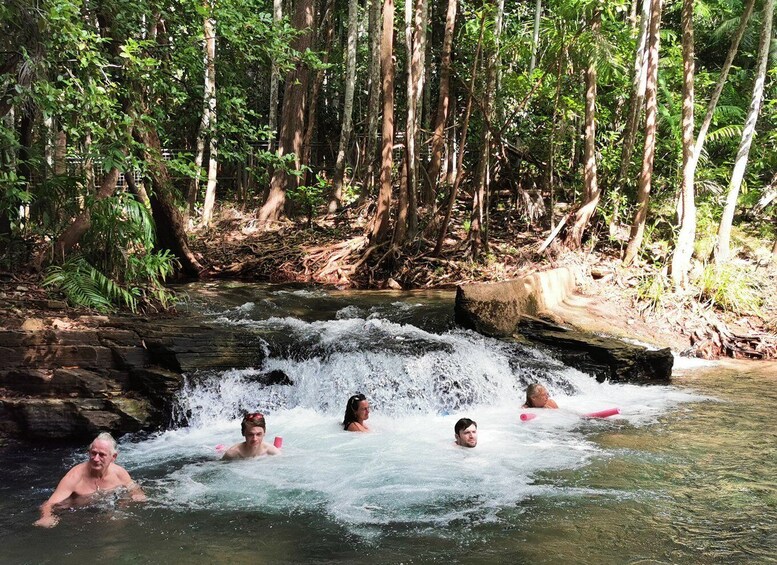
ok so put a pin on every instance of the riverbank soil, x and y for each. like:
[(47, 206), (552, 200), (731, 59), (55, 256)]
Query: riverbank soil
[(335, 251)]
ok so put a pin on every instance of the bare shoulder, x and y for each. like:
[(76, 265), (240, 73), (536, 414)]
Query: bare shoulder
[(122, 474), (232, 453)]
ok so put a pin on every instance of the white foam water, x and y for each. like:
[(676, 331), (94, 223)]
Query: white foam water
[(407, 470)]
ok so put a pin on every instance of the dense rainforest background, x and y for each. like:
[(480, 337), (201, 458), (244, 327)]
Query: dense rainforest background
[(377, 143)]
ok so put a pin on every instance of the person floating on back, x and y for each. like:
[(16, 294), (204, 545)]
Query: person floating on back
[(253, 428), (466, 432), (357, 411), (86, 480), (537, 397)]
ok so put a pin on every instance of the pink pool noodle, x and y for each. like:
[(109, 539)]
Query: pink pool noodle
[(525, 417), (221, 447), (278, 442), (603, 413)]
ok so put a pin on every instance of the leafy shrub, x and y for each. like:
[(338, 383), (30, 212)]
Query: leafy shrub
[(731, 287)]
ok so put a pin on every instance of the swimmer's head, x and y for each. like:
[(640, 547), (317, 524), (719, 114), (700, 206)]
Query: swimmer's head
[(253, 419), (536, 395), (357, 409), (107, 438), (466, 432)]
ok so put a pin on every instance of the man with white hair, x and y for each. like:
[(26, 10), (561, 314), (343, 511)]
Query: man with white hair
[(96, 475)]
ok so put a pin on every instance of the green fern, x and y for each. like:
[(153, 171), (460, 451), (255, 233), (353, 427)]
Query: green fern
[(83, 285)]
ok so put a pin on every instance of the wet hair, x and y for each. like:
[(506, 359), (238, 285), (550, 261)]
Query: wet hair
[(253, 419), (532, 390), (463, 424), (350, 410), (106, 437)]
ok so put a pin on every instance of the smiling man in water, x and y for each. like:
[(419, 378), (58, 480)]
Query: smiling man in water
[(96, 475), (466, 432), (253, 428)]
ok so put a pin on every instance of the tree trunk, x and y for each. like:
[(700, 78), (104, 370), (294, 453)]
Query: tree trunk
[(478, 233), (170, 230), (732, 51), (443, 102), (721, 251), (350, 83), (635, 110), (460, 158), (535, 38), (382, 213), (681, 258), (275, 77), (403, 203), (651, 114), (210, 90), (327, 27), (295, 101), (373, 106), (590, 199)]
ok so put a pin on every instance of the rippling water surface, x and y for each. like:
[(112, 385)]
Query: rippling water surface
[(684, 475)]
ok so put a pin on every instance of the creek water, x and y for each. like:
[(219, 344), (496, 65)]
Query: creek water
[(685, 474)]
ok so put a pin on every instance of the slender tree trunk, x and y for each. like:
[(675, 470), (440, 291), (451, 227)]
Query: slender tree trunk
[(683, 251), (535, 38), (326, 30), (403, 204), (382, 213), (210, 89), (478, 227), (590, 199), (651, 114), (295, 102), (350, 83), (635, 110), (721, 251), (275, 77), (732, 51), (415, 91), (373, 105), (460, 158), (443, 102)]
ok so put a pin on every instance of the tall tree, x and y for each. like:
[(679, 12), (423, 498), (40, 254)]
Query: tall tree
[(347, 126), (275, 76), (373, 104), (651, 115), (592, 192), (712, 104), (210, 94), (683, 251), (722, 246), (295, 101), (383, 210), (636, 103), (478, 233), (443, 103)]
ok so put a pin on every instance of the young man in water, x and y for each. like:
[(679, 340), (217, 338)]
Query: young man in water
[(466, 432), (88, 479), (253, 428)]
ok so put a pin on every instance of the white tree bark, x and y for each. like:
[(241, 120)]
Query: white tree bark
[(723, 244), (210, 93)]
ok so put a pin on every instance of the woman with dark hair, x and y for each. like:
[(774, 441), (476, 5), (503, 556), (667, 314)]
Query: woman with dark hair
[(537, 397), (357, 410)]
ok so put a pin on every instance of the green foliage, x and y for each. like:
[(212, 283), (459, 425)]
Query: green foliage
[(730, 286), (83, 285), (117, 265), (310, 198), (653, 289)]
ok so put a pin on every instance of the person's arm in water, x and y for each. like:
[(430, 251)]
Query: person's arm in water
[(550, 403), (64, 490), (136, 493), (272, 450)]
